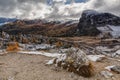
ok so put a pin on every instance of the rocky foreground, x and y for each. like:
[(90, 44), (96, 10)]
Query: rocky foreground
[(15, 66)]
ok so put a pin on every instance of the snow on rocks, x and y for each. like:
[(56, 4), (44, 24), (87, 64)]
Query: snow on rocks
[(96, 57), (50, 62), (2, 52), (34, 47), (113, 30), (109, 67), (106, 74), (113, 68), (40, 53), (112, 52), (103, 49), (116, 69), (117, 53)]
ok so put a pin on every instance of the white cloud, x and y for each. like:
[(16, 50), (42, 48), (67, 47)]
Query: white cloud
[(39, 9)]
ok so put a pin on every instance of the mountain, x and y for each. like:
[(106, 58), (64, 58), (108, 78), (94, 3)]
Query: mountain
[(91, 19), (41, 27), (91, 23), (6, 20)]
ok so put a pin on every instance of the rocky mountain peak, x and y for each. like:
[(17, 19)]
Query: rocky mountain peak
[(91, 19)]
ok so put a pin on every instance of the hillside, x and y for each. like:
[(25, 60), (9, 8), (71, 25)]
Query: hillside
[(46, 28)]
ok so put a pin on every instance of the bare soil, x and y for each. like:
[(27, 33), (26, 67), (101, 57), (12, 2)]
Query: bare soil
[(15, 66)]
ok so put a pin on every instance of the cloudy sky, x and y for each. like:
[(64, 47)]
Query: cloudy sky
[(55, 9)]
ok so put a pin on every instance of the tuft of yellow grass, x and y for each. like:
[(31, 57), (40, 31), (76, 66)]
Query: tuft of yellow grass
[(13, 46), (59, 44)]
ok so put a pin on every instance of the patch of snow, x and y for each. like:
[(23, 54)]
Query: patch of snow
[(3, 52), (34, 47), (104, 29), (67, 50), (3, 23), (106, 74), (113, 30), (117, 53), (50, 62), (40, 53), (61, 57), (96, 57), (101, 48), (44, 46), (109, 67)]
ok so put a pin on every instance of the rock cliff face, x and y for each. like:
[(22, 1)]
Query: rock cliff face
[(91, 19)]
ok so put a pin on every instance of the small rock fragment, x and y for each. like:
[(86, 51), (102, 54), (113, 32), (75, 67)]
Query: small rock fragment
[(106, 74), (116, 69), (109, 67), (117, 53), (113, 68)]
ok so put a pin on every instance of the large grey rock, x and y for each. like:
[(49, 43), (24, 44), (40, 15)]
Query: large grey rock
[(77, 62)]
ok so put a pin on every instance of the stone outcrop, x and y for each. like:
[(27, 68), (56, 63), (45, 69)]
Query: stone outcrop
[(91, 19), (76, 62)]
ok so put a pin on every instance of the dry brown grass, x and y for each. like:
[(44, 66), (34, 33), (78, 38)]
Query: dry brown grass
[(83, 70), (13, 46), (59, 44)]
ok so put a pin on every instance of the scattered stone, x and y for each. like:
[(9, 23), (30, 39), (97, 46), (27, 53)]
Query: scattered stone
[(106, 74), (116, 69), (11, 78), (96, 57), (117, 53), (113, 68), (3, 52), (109, 67), (72, 75)]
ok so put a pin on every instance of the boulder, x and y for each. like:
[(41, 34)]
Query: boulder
[(77, 62)]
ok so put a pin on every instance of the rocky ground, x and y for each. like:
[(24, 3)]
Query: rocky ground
[(15, 66)]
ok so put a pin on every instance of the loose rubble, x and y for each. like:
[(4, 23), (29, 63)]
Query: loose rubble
[(109, 67), (106, 74), (116, 69)]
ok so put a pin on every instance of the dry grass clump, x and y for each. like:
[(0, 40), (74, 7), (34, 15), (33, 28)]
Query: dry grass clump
[(76, 62), (13, 46), (59, 44)]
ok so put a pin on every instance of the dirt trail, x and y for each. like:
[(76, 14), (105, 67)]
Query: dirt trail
[(32, 67)]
